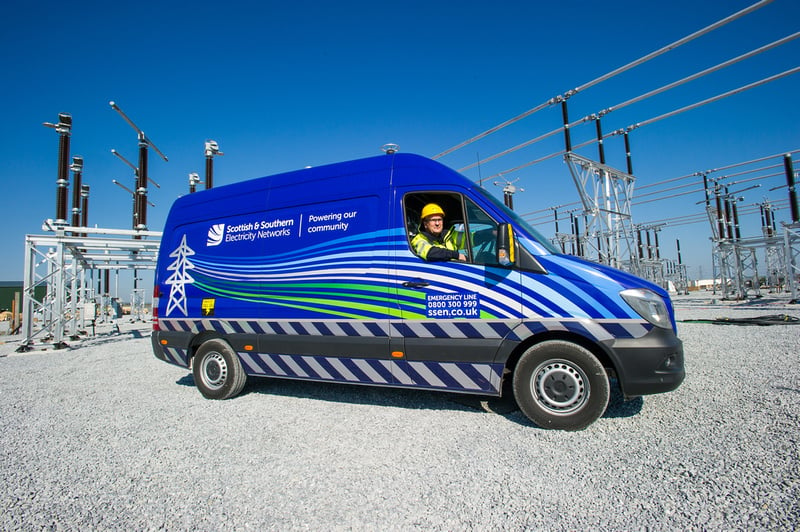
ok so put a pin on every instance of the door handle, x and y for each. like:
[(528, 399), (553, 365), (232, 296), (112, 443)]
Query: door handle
[(416, 284)]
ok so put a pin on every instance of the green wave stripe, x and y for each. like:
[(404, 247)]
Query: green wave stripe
[(409, 310), (335, 291), (302, 303), (255, 292), (274, 288)]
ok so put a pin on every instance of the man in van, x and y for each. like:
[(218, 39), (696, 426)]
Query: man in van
[(432, 243)]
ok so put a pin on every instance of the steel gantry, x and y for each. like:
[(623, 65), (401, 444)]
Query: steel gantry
[(791, 234), (736, 259), (62, 263), (605, 193)]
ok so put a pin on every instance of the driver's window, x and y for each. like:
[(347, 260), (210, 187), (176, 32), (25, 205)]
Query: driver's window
[(462, 217), (483, 234)]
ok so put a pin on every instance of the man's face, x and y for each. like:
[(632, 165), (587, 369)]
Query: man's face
[(434, 224)]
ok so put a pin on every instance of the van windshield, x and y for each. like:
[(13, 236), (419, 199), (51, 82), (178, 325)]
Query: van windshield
[(517, 219)]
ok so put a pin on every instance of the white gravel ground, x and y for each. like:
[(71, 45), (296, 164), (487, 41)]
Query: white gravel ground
[(103, 436)]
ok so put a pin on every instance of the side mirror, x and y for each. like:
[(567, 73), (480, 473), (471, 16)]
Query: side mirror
[(506, 245)]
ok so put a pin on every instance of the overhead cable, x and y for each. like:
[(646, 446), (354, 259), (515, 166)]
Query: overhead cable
[(631, 127), (524, 165), (776, 205), (637, 99), (685, 185), (650, 121), (728, 167), (515, 148), (674, 45), (760, 159), (694, 76), (620, 70), (707, 101)]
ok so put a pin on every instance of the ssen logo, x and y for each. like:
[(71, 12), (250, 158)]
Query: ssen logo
[(215, 235)]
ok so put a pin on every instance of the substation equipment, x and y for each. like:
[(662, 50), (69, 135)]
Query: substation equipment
[(74, 258), (608, 235), (736, 257), (73, 262), (69, 263), (602, 229)]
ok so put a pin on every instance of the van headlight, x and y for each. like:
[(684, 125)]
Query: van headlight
[(648, 305)]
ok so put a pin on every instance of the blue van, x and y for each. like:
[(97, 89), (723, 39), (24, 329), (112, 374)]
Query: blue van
[(312, 275)]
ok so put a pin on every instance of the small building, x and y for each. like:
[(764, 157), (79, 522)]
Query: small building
[(8, 291), (705, 284)]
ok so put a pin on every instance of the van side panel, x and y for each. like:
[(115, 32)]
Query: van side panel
[(270, 258)]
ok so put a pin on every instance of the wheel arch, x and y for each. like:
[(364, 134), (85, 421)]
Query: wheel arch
[(198, 340), (595, 348)]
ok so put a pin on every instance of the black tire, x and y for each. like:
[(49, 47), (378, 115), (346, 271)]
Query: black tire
[(217, 371), (561, 385)]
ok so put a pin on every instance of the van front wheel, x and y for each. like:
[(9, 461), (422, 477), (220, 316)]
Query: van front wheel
[(561, 385), (217, 371)]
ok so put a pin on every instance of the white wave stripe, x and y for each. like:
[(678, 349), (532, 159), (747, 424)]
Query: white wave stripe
[(490, 301), (560, 299), (263, 276), (297, 263), (590, 299), (332, 274), (487, 297)]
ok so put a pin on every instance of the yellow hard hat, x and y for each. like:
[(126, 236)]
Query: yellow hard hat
[(430, 209)]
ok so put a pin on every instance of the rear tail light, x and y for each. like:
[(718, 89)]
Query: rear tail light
[(156, 295)]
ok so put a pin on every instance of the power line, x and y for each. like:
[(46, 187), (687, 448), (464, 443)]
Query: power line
[(525, 165), (754, 161), (687, 219), (670, 189), (676, 44), (545, 214), (637, 99), (652, 120), (707, 101), (737, 174), (693, 77), (515, 148), (721, 168), (609, 75)]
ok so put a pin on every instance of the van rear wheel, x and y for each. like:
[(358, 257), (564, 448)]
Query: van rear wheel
[(561, 385), (218, 373)]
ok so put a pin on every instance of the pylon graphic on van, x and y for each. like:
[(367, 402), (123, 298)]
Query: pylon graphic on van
[(180, 278)]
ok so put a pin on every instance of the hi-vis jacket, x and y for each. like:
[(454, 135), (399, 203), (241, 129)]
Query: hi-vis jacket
[(442, 248)]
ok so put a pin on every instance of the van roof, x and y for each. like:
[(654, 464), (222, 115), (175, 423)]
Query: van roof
[(360, 176)]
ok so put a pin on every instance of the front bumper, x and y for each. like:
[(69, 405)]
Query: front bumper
[(650, 364)]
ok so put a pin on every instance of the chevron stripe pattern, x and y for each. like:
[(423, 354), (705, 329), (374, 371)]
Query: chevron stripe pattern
[(516, 330), (453, 376)]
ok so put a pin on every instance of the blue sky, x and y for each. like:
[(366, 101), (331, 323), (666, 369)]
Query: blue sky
[(283, 85)]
